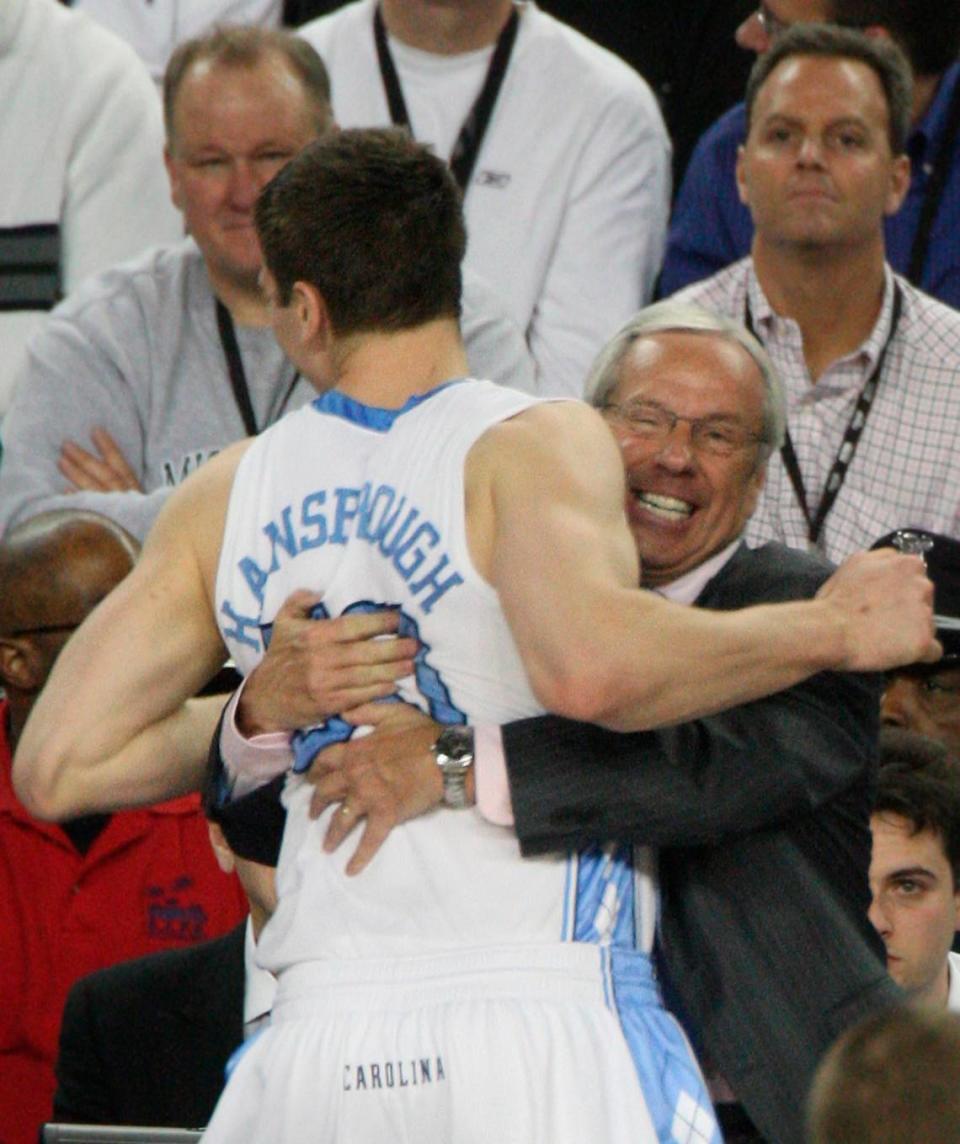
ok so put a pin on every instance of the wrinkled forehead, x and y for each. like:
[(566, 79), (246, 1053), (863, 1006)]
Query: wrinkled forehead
[(704, 366), (821, 87)]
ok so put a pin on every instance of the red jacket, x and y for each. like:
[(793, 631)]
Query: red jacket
[(148, 882)]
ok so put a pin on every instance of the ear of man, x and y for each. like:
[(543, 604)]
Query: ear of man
[(22, 667)]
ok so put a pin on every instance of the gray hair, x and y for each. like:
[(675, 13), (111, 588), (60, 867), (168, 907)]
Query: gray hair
[(673, 316)]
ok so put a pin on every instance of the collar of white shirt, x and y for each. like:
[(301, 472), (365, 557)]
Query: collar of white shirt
[(685, 589)]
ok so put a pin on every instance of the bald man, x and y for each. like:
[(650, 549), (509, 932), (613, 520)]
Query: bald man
[(98, 889)]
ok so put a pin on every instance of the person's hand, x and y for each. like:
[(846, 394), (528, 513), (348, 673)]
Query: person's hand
[(314, 669), (103, 471), (884, 602), (380, 779)]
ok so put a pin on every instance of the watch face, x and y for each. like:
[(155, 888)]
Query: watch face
[(454, 744)]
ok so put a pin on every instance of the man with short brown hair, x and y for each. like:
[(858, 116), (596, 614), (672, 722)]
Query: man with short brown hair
[(822, 166)]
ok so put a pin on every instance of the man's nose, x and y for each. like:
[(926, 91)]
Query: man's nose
[(810, 152), (878, 917), (677, 451), (752, 36), (898, 707), (245, 186)]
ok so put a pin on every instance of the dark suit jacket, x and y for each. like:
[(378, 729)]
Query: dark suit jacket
[(146, 1041), (762, 817)]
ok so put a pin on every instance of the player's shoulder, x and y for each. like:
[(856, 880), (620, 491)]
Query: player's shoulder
[(196, 510), (548, 422), (548, 439)]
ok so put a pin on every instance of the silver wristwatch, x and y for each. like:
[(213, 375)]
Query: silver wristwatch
[(453, 751)]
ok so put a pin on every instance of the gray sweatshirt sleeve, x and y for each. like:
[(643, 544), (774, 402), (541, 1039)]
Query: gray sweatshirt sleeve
[(71, 383)]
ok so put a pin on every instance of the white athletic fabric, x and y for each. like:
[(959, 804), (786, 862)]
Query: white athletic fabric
[(136, 350), (458, 931), (567, 206)]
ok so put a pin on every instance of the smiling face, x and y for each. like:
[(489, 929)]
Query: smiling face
[(685, 503), (817, 169), (915, 908), (233, 128)]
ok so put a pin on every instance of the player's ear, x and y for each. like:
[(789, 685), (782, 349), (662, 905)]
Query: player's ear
[(311, 311)]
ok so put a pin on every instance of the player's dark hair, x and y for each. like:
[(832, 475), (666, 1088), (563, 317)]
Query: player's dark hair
[(373, 220)]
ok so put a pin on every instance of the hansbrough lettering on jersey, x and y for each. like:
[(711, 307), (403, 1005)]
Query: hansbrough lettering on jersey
[(333, 516), (393, 1074)]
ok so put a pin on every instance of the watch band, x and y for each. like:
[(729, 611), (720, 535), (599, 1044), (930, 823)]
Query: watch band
[(454, 752)]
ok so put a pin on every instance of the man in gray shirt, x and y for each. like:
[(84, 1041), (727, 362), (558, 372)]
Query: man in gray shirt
[(157, 364)]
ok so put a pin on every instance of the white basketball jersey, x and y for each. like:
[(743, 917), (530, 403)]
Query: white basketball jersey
[(367, 506)]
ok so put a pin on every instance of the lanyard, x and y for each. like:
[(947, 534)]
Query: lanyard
[(935, 190), (851, 438), (467, 147), (238, 375)]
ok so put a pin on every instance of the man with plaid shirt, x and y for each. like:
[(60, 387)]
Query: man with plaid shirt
[(869, 362)]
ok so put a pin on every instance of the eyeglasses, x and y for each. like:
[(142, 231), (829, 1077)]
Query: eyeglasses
[(44, 629), (772, 25), (648, 421)]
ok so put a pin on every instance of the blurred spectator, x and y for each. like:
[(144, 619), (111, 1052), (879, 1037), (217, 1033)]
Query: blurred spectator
[(711, 227), (915, 868), (82, 184), (199, 1004), (926, 697), (153, 28), (869, 362), (893, 1079), (675, 48), (559, 146), (156, 365), (98, 889)]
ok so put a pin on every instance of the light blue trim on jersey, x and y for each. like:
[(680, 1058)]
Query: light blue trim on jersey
[(308, 743), (238, 1053), (605, 896), (569, 897), (605, 914), (338, 404), (672, 1084)]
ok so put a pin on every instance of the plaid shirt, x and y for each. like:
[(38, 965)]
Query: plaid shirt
[(906, 470)]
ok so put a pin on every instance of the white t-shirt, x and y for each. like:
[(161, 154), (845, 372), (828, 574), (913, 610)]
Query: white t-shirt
[(567, 206)]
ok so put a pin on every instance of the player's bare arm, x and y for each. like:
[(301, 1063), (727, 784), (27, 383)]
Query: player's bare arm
[(545, 495), (100, 739)]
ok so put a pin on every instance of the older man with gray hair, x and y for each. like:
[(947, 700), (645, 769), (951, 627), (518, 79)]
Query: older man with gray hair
[(760, 814)]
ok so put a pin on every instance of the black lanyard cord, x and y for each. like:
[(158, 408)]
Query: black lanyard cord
[(469, 141), (238, 375), (851, 438)]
